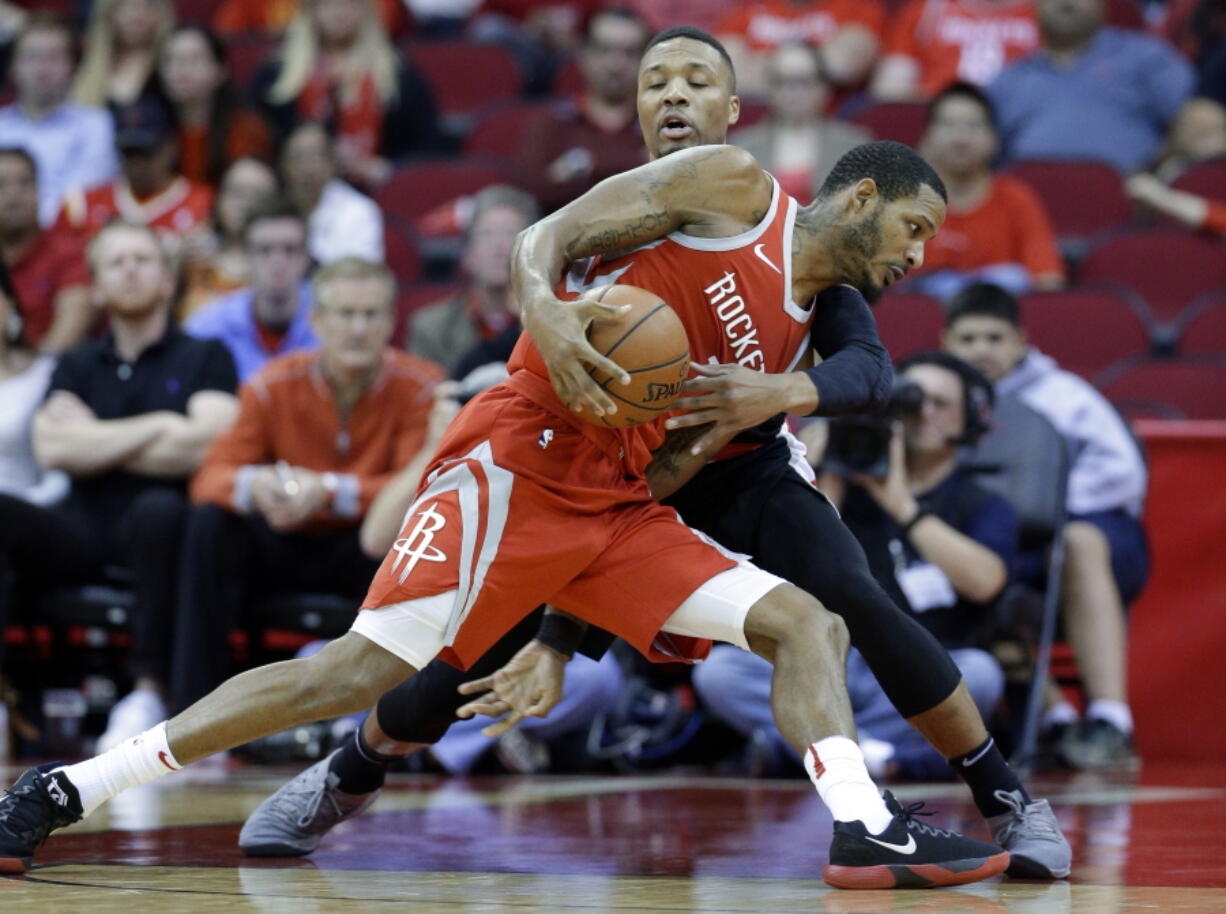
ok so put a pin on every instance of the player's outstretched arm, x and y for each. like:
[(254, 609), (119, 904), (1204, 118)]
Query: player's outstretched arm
[(715, 190)]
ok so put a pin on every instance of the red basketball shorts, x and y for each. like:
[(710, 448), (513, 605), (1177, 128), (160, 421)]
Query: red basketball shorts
[(524, 508)]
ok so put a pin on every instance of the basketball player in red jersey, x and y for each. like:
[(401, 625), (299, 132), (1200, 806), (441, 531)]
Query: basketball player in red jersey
[(524, 504), (737, 297)]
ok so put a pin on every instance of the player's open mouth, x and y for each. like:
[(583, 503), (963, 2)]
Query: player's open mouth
[(893, 274), (675, 128)]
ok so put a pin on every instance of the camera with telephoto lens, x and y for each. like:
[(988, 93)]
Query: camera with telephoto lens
[(860, 445)]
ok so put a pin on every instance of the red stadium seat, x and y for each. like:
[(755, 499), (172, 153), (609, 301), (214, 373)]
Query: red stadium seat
[(1086, 329), (1204, 329), (400, 254), (1193, 385), (909, 323), (900, 121), (466, 75), (1166, 268), (417, 189), (497, 132), (1081, 198), (1208, 179)]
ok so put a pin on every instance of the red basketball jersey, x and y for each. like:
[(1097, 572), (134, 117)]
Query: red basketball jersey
[(734, 296)]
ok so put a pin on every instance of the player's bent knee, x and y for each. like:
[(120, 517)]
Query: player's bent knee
[(788, 613)]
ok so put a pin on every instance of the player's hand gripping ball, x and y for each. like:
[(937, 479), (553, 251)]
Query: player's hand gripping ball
[(649, 342)]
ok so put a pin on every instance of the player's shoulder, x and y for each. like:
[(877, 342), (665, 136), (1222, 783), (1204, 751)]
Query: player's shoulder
[(706, 163)]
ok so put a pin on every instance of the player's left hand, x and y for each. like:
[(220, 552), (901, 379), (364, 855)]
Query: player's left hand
[(731, 396), (529, 685)]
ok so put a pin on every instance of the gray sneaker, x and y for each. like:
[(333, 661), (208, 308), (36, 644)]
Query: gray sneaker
[(1032, 836), (293, 821)]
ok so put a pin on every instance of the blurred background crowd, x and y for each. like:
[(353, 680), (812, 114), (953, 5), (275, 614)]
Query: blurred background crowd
[(243, 245)]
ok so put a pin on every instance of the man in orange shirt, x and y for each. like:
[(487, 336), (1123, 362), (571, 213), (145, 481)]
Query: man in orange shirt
[(996, 228), (280, 497), (150, 191), (846, 32), (933, 43)]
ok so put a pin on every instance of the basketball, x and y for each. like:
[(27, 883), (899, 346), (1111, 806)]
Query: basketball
[(648, 341)]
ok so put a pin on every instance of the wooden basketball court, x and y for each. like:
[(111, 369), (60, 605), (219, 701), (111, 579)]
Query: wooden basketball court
[(1148, 841)]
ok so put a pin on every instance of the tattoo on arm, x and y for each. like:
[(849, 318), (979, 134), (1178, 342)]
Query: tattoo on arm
[(666, 458), (614, 239)]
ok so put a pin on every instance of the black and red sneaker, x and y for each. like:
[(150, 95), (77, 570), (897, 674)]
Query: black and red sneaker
[(30, 810), (908, 854)]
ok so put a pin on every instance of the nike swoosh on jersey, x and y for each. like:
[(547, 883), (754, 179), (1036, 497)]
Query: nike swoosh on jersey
[(757, 250), (908, 848)]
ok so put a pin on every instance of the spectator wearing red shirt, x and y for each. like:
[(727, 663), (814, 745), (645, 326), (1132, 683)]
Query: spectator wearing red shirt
[(446, 330), (847, 32), (47, 267), (214, 129), (996, 228), (933, 43), (280, 496), (150, 191), (579, 142)]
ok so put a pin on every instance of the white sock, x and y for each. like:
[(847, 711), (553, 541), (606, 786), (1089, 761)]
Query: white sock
[(836, 768), (1062, 712), (1116, 713), (136, 760)]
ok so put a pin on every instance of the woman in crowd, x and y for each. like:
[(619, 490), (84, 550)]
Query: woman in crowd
[(221, 264), (121, 50), (337, 66), (214, 128)]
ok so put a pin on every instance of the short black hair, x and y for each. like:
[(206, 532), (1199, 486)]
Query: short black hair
[(964, 90), (897, 169), (984, 299), (693, 33)]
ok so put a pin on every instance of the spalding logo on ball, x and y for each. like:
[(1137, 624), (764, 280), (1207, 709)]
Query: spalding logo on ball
[(649, 342)]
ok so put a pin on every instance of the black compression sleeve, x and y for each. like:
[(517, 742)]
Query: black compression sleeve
[(855, 375)]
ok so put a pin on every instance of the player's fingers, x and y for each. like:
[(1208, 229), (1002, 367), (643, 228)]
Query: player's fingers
[(689, 420), (499, 727), (699, 385), (602, 363), (473, 686), (489, 705), (708, 370)]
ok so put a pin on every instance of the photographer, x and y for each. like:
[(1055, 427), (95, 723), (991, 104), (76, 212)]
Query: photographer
[(937, 542)]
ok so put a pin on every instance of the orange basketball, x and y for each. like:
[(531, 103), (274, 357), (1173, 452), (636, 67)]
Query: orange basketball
[(648, 341)]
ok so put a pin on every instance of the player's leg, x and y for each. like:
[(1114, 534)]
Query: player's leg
[(877, 844), (412, 716), (791, 530), (346, 676)]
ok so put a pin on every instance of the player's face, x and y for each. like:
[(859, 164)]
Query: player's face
[(881, 241), (130, 274), (991, 344), (18, 195), (941, 418), (685, 97), (353, 321)]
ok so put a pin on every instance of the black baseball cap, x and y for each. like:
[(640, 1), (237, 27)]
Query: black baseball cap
[(142, 125)]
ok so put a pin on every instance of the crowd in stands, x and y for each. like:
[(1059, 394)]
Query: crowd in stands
[(244, 245)]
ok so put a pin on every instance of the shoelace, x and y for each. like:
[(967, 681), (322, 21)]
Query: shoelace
[(912, 810), (1040, 827), (287, 802), (36, 833)]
